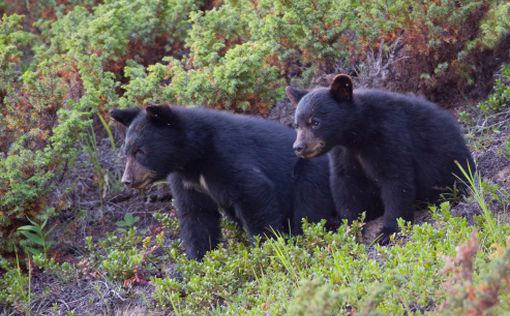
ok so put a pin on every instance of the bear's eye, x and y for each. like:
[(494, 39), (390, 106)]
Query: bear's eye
[(139, 153), (315, 122)]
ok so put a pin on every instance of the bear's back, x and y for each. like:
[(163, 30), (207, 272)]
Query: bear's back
[(435, 140), (423, 119), (241, 131), (236, 143), (414, 108)]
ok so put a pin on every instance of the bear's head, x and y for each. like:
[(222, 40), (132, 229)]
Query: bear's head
[(153, 144), (323, 116)]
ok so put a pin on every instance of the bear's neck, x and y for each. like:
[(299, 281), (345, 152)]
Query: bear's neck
[(356, 132), (199, 138)]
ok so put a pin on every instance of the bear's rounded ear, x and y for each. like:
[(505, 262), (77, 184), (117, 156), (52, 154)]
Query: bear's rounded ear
[(124, 116), (161, 114), (341, 88), (295, 94)]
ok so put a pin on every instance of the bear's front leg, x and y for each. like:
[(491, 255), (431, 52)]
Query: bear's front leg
[(353, 192), (398, 196), (199, 219)]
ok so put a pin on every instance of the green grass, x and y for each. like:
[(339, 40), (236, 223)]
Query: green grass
[(329, 272)]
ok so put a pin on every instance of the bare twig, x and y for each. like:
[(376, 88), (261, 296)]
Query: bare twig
[(496, 120), (64, 302), (379, 65)]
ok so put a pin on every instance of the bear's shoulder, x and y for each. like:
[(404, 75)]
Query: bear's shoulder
[(229, 122)]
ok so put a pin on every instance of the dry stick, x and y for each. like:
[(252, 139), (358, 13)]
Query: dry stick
[(503, 119), (64, 302), (43, 303)]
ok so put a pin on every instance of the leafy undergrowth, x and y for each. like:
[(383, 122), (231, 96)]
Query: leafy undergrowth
[(442, 266), (327, 273), (330, 273)]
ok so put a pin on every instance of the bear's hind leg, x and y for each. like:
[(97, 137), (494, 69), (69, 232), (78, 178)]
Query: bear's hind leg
[(258, 208)]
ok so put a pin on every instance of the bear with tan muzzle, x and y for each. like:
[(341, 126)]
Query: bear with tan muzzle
[(388, 152)]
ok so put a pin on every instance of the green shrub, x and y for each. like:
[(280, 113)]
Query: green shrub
[(314, 297), (121, 255), (32, 162), (342, 274), (312, 33), (118, 28), (495, 26), (15, 286), (448, 266), (499, 99), (12, 41), (215, 32), (239, 54), (37, 241), (289, 39)]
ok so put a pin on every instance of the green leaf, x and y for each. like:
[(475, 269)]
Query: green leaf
[(26, 228), (33, 238)]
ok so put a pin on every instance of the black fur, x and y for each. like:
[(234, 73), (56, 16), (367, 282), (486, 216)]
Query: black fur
[(387, 150), (243, 165)]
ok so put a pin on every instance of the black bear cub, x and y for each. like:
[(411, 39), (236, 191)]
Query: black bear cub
[(215, 160), (387, 151)]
